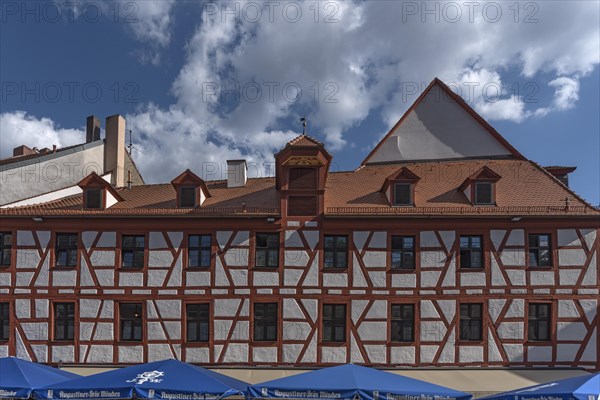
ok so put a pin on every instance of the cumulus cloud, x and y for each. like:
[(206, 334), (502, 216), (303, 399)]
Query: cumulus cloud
[(19, 128), (251, 68)]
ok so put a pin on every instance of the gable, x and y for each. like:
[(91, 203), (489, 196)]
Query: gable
[(440, 125)]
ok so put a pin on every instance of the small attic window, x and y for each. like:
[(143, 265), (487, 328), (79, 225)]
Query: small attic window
[(403, 194), (484, 193), (187, 196), (93, 198)]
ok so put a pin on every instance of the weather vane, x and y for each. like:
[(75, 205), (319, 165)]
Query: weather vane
[(303, 120)]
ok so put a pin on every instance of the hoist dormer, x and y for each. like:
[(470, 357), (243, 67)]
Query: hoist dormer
[(301, 173)]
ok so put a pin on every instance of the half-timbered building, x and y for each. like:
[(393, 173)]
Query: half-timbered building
[(445, 247)]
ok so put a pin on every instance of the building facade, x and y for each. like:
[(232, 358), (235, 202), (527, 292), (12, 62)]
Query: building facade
[(446, 247)]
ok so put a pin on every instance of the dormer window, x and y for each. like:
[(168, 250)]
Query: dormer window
[(98, 194), (94, 198), (190, 189), (484, 193), (480, 187), (399, 188), (187, 196), (403, 194)]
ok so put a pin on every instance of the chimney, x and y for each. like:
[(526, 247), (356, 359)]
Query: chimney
[(114, 149), (92, 131), (237, 173), (22, 151)]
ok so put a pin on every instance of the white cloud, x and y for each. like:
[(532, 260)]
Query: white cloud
[(363, 57), (19, 128)]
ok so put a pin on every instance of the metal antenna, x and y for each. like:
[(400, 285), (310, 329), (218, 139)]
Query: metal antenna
[(130, 145), (303, 120)]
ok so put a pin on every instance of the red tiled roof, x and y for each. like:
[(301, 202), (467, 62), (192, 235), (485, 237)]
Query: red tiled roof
[(523, 189), (25, 157), (304, 141)]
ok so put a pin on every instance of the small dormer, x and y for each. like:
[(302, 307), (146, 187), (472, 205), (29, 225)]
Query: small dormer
[(98, 194), (480, 188), (190, 189), (399, 188)]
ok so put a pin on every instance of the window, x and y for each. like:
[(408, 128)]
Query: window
[(403, 252), (540, 251), (199, 251), (4, 321), (470, 322), (197, 322), (484, 193), (5, 247), (132, 250), (302, 206), (93, 198), (265, 322), (336, 251), (267, 250), (66, 249), (538, 325), (64, 321), (334, 322), (187, 197), (403, 322), (471, 252), (303, 178), (403, 194), (130, 315)]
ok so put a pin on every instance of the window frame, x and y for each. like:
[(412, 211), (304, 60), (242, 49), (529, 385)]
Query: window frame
[(492, 186), (200, 249), (267, 250), (63, 321), (134, 249), (402, 250), (471, 250), (68, 248), (198, 321), (180, 197), (102, 197), (263, 324), (537, 320), (400, 319), (411, 200), (539, 248), (336, 322), (469, 321), (5, 321), (133, 319), (6, 249), (336, 252)]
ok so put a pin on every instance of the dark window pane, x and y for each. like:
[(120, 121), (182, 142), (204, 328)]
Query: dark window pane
[(403, 323), (130, 315), (64, 321), (471, 252), (403, 252), (187, 197), (199, 251), (471, 322), (540, 250), (4, 321), (334, 323), (66, 249), (402, 194), (93, 198), (265, 322), (539, 322), (198, 321), (267, 250), (132, 251), (335, 251), (483, 193)]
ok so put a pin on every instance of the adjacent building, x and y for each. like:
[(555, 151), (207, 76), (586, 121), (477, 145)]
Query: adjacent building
[(445, 247)]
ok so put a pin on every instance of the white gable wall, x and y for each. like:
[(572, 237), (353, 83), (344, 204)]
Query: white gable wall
[(438, 128)]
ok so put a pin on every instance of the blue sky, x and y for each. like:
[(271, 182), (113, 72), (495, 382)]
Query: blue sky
[(159, 64)]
